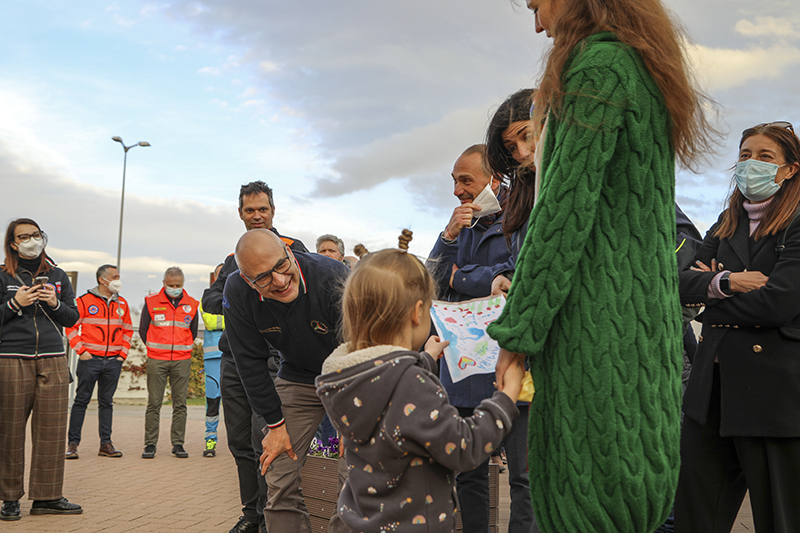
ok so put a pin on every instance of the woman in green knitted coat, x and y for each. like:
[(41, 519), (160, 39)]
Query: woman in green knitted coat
[(594, 299)]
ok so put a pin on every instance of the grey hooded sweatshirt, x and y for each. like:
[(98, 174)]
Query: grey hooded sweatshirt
[(403, 439)]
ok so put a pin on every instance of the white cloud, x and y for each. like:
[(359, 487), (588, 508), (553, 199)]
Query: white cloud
[(723, 68), (213, 71), (268, 66), (122, 21), (786, 27), (254, 104)]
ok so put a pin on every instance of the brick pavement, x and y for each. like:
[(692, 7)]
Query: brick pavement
[(199, 494), (131, 494)]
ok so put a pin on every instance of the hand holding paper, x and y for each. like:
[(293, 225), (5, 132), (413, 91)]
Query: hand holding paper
[(434, 346)]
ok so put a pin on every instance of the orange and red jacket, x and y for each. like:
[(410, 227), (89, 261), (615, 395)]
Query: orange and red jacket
[(169, 336), (104, 328)]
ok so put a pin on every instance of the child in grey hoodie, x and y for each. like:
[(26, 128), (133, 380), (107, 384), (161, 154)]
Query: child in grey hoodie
[(403, 440)]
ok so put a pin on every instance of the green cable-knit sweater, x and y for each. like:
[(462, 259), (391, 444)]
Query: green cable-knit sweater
[(594, 303)]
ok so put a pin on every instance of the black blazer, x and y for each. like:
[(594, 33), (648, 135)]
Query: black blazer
[(755, 334)]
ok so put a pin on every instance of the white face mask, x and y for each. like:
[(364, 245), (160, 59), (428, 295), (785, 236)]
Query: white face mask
[(114, 286), (31, 249), (173, 293), (487, 202)]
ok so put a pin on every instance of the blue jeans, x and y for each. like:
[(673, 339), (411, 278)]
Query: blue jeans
[(105, 372)]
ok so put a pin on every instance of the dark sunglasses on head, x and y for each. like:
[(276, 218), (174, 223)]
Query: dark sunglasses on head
[(777, 124)]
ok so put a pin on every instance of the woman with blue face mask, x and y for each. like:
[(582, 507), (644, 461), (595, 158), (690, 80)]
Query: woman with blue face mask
[(741, 429)]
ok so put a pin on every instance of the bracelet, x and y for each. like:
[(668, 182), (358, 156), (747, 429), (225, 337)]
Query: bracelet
[(447, 237), (14, 305)]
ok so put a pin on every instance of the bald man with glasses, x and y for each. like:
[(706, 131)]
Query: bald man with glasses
[(288, 300)]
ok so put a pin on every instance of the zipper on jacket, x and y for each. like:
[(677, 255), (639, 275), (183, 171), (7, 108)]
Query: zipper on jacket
[(108, 324), (36, 328)]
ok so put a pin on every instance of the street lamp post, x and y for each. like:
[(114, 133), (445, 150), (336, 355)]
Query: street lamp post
[(122, 202)]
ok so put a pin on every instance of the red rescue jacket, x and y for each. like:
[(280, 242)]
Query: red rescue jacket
[(169, 336), (104, 328)]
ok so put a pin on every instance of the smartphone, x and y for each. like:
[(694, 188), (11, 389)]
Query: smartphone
[(40, 280)]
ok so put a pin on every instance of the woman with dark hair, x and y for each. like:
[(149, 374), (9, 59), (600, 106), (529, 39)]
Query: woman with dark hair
[(510, 144), (742, 403), (594, 301), (37, 302)]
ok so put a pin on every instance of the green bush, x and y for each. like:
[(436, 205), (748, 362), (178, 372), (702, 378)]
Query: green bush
[(197, 378)]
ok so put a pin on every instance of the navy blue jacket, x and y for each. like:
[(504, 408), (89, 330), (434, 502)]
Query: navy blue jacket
[(481, 254), (304, 331)]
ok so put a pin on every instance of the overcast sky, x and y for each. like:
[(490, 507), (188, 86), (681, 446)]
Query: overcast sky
[(354, 112)]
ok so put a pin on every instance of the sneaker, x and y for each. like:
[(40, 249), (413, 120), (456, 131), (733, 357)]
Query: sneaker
[(211, 448), (178, 451), (72, 451), (149, 451), (108, 450), (60, 506), (243, 526), (10, 510)]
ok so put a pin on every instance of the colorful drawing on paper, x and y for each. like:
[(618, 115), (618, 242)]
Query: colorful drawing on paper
[(471, 350)]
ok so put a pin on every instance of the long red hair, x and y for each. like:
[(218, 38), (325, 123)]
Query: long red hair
[(645, 26)]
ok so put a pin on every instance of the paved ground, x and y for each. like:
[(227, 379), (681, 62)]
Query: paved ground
[(134, 494), (131, 494)]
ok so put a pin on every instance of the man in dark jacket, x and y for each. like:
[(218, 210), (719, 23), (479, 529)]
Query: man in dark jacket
[(289, 301), (466, 258), (242, 424)]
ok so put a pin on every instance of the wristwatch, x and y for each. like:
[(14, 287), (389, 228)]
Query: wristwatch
[(725, 284)]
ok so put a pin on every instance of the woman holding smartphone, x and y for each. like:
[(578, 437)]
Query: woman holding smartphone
[(37, 303)]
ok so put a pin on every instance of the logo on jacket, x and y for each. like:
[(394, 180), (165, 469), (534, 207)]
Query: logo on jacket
[(273, 329), (187, 308), (120, 312), (187, 319), (93, 309), (319, 327), (58, 287)]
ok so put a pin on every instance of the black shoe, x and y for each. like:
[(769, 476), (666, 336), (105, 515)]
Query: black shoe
[(243, 526), (11, 510), (149, 451), (61, 506), (178, 451)]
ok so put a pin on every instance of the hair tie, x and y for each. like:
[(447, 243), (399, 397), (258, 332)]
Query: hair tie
[(405, 237)]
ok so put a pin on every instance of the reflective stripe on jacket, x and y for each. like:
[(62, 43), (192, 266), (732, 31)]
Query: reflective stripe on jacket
[(169, 336), (104, 328), (211, 321)]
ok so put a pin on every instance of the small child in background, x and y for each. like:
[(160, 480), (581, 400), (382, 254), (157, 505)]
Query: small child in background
[(403, 439)]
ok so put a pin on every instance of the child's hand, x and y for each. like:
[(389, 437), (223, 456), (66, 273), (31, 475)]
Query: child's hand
[(512, 379), (435, 345)]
